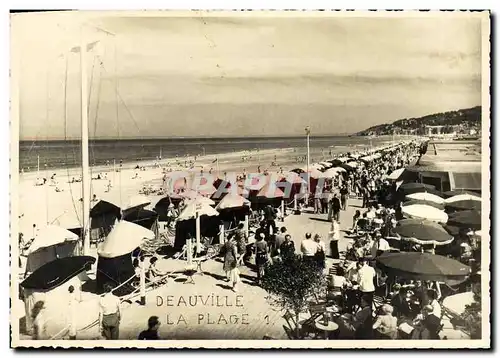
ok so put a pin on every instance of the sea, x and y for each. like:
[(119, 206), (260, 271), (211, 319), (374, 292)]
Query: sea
[(58, 154)]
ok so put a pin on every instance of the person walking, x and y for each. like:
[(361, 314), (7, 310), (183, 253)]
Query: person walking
[(261, 257), (270, 217), (336, 206), (320, 255), (334, 240), (308, 248), (366, 283), (110, 314), (344, 193), (230, 252)]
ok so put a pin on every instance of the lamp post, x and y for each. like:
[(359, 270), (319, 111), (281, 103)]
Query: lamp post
[(308, 132)]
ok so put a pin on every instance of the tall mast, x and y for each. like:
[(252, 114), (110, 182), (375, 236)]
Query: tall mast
[(85, 148)]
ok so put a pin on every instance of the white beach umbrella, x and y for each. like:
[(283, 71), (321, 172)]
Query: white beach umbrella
[(195, 206), (456, 303), (332, 172), (431, 213), (51, 235), (462, 197), (396, 174), (124, 238), (352, 164), (326, 164), (232, 201), (426, 196)]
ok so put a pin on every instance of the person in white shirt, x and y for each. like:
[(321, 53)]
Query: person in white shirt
[(366, 276), (110, 314), (73, 308), (370, 214), (379, 246), (308, 247), (334, 240), (433, 301)]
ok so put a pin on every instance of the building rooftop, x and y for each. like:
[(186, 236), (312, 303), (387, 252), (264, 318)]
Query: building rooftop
[(452, 156)]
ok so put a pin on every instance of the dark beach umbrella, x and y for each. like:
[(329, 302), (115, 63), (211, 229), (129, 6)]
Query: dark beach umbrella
[(104, 207), (414, 186), (57, 272), (453, 230), (424, 202), (143, 217), (347, 167), (464, 205), (298, 171), (470, 219), (449, 194), (411, 188), (336, 162), (422, 232), (423, 266)]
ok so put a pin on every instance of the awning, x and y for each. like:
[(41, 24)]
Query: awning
[(465, 181)]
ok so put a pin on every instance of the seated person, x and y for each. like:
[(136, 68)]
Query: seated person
[(154, 271), (427, 325), (386, 325), (432, 296), (400, 302), (359, 325)]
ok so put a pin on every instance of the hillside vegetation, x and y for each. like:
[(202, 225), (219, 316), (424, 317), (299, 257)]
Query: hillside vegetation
[(461, 121)]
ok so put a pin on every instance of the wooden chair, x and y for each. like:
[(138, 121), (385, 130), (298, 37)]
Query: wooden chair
[(291, 322)]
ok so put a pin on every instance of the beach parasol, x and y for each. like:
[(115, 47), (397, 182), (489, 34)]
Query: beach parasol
[(348, 166), (195, 207), (143, 217), (332, 172), (423, 266), (57, 272), (51, 235), (396, 174), (124, 238), (464, 205), (425, 212), (426, 196), (456, 303), (326, 164), (470, 219), (295, 178), (410, 188), (270, 191), (422, 232), (105, 207), (449, 194), (232, 201), (423, 202), (462, 197), (298, 170)]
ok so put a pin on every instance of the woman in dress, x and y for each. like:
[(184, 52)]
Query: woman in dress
[(39, 321), (261, 255), (320, 255), (230, 263)]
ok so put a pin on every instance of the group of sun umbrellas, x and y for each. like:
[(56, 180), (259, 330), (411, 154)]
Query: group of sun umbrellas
[(432, 218)]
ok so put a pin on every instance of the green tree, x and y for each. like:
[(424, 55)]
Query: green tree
[(292, 284)]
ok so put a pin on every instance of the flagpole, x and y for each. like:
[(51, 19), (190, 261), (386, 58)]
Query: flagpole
[(308, 132)]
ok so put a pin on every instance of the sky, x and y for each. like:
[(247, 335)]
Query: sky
[(210, 74)]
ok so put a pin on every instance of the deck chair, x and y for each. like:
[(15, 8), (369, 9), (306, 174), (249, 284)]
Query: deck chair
[(315, 310), (378, 301)]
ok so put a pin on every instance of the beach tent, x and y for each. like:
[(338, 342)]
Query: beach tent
[(51, 242), (114, 264), (50, 283)]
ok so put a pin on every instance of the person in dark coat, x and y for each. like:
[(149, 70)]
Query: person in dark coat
[(270, 217)]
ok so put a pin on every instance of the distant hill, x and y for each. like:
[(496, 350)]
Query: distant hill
[(461, 121)]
